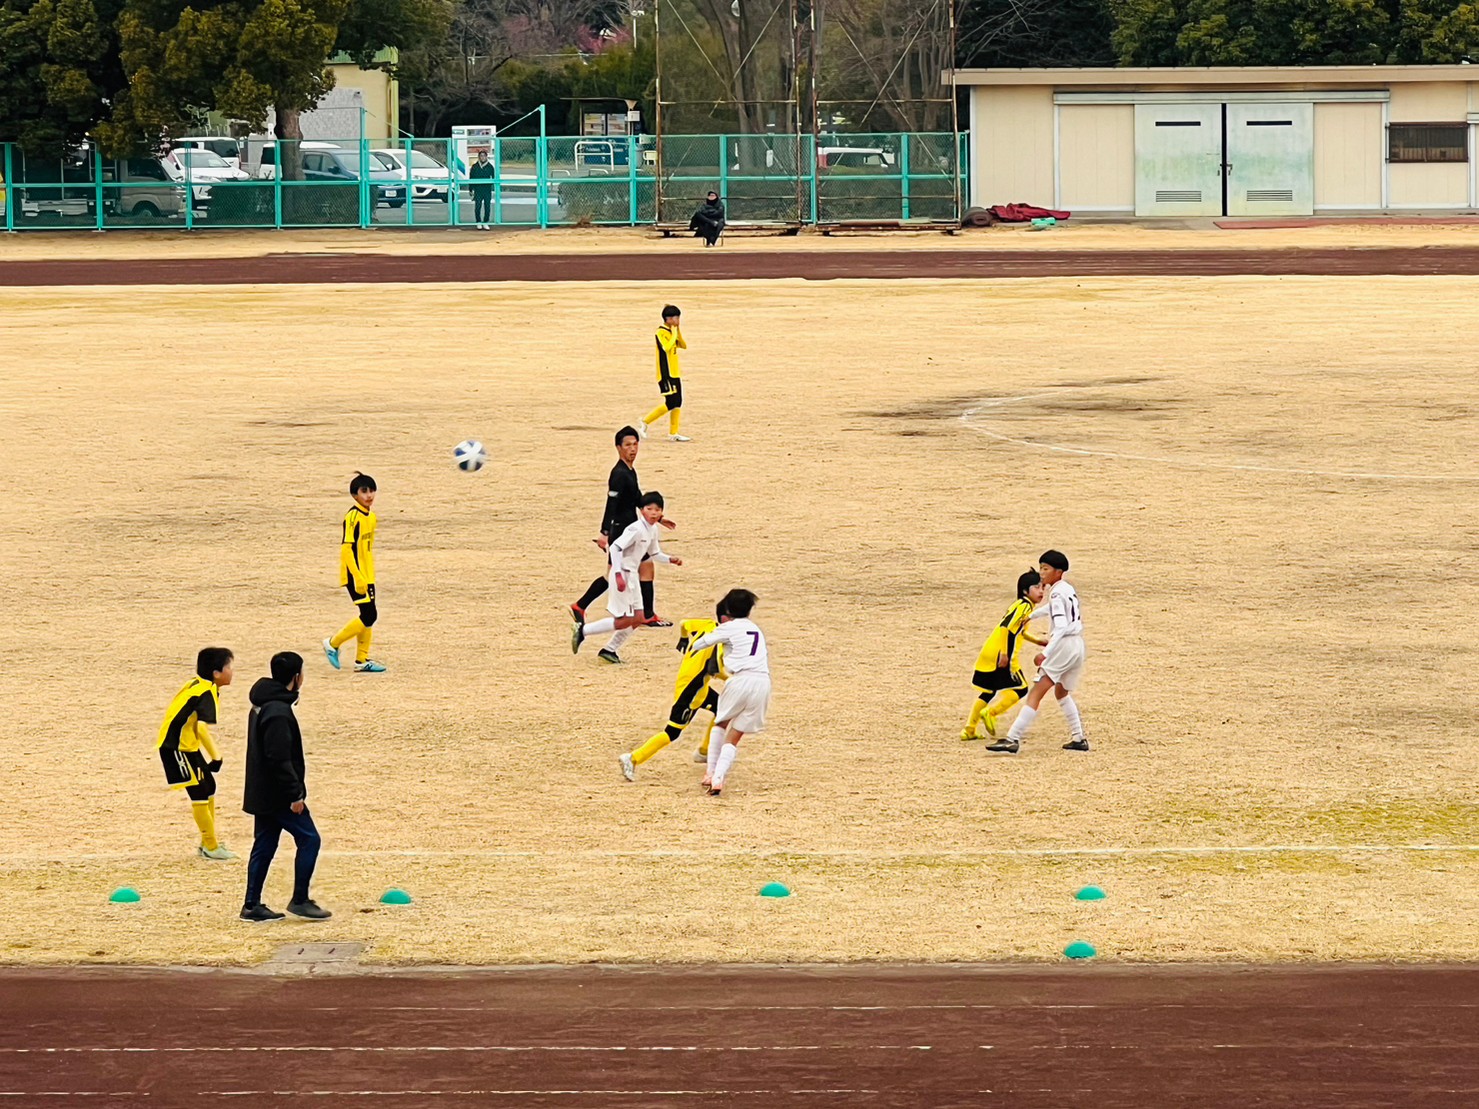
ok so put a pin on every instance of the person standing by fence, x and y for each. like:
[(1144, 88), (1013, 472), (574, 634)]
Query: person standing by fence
[(482, 194)]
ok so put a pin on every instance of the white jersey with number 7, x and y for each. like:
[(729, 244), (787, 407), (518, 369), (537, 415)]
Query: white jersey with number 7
[(744, 646)]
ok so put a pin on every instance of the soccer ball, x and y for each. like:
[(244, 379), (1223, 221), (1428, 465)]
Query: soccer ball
[(470, 455)]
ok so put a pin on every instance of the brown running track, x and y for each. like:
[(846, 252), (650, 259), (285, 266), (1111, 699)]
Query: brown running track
[(309, 269), (856, 1036)]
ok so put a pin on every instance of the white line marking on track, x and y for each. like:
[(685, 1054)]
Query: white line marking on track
[(972, 414)]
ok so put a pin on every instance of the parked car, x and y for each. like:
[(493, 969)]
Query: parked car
[(222, 146), (855, 157), (150, 191), (267, 156), (202, 166), (336, 164), (429, 178)]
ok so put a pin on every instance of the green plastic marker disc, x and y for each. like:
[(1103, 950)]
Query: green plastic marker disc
[(1090, 893), (774, 889), (1079, 950), (124, 895), (395, 897)]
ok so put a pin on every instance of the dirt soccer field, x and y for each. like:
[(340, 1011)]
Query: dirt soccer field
[(1266, 486)]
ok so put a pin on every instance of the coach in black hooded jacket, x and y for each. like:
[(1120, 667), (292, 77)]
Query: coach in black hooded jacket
[(276, 793)]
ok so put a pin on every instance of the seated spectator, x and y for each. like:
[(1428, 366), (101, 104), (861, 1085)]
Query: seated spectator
[(708, 221)]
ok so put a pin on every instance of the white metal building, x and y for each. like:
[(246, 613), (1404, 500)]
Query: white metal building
[(1226, 141)]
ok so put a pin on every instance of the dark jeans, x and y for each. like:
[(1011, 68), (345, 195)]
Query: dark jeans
[(482, 205), (269, 829)]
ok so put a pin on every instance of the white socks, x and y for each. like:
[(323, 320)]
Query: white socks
[(600, 627), (716, 746), (726, 760), (1021, 724), (1070, 713), (615, 642)]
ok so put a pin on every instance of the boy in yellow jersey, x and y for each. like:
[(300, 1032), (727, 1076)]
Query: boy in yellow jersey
[(669, 380), (185, 746), (357, 575), (692, 693), (999, 682)]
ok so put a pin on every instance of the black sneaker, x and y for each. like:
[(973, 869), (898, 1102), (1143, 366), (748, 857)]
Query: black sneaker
[(1076, 745), (606, 654), (309, 910), (1003, 747), (258, 913), (657, 622)]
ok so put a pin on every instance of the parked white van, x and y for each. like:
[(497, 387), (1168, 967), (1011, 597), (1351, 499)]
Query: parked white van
[(222, 146)]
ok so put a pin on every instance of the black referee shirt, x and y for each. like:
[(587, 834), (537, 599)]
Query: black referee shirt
[(623, 495)]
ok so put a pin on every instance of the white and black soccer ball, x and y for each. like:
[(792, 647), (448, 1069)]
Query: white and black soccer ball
[(470, 456)]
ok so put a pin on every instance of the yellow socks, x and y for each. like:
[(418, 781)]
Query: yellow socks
[(650, 748), (703, 748), (362, 652), (976, 710), (675, 417), (349, 631), (205, 820), (1004, 701), (655, 415)]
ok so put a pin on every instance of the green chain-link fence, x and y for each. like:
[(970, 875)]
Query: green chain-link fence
[(537, 182)]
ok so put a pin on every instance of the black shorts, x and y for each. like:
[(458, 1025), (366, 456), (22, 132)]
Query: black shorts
[(996, 681), (189, 769), (365, 598), (673, 397)]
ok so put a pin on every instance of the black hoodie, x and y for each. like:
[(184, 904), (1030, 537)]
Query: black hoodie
[(274, 750)]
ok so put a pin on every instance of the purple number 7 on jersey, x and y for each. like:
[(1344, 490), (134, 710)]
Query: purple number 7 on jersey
[(754, 641)]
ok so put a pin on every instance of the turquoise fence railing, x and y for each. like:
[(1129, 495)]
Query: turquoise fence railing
[(554, 181)]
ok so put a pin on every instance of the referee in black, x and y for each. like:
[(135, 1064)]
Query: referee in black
[(623, 495)]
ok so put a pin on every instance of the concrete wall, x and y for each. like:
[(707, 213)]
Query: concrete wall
[(337, 117), (1096, 159), (1012, 146), (1349, 151), (1429, 185)]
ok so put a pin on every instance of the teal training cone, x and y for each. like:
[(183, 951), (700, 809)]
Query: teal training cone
[(774, 889), (124, 895), (1079, 950), (1090, 893), (395, 897)]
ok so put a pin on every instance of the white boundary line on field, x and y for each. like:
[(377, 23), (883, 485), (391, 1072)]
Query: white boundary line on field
[(981, 411), (16, 860)]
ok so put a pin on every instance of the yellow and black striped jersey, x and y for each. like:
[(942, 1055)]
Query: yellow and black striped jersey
[(184, 721), (357, 549), (696, 663), (669, 343), (1006, 638)]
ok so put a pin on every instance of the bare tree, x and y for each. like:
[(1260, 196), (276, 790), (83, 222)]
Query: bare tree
[(884, 61)]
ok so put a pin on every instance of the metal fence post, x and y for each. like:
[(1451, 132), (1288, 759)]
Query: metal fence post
[(497, 183), (189, 198), (9, 188), (277, 186), (632, 154), (724, 169), (366, 195), (541, 172), (904, 172), (97, 186), (815, 215)]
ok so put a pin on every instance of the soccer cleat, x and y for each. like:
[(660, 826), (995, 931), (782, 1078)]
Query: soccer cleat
[(657, 622), (577, 636), (641, 426), (1076, 745), (715, 789), (308, 910), (218, 853), (628, 769), (679, 439), (606, 654), (967, 735), (369, 666), (701, 756), (331, 653), (1004, 747), (258, 913), (990, 721)]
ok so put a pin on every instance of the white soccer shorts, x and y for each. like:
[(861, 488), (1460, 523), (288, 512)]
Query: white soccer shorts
[(624, 602), (743, 702), (1064, 661)]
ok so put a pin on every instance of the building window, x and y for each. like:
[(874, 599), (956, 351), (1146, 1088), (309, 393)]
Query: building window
[(1428, 142)]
